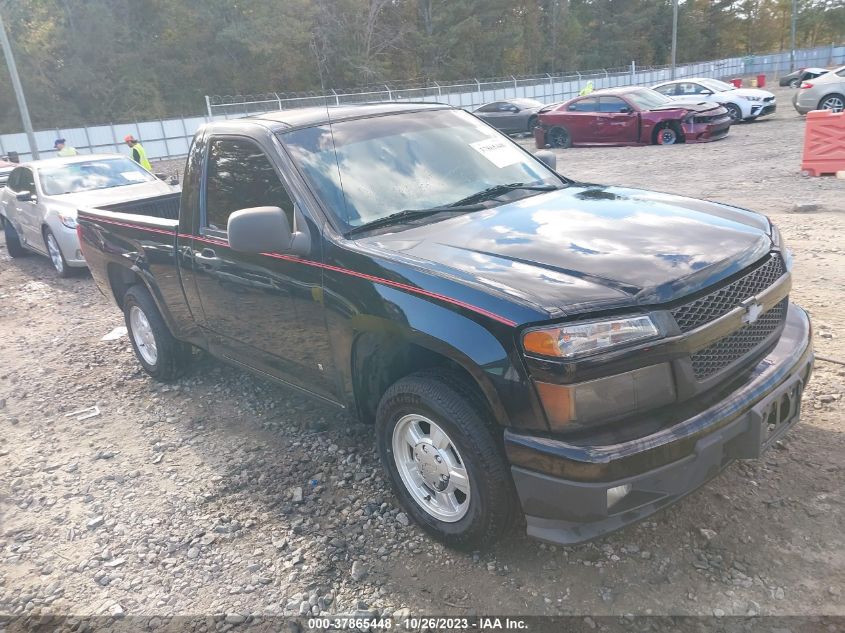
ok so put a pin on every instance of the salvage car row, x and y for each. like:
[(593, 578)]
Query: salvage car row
[(689, 110)]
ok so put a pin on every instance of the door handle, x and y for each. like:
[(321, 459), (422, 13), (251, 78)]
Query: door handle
[(207, 257)]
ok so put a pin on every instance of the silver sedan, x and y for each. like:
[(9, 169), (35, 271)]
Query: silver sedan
[(826, 92), (39, 202)]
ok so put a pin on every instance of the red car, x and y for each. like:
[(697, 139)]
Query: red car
[(629, 116)]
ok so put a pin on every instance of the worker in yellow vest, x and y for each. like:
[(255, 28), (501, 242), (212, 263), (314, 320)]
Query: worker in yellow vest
[(139, 155)]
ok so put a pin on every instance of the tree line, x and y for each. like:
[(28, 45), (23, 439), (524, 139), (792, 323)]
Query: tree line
[(94, 61)]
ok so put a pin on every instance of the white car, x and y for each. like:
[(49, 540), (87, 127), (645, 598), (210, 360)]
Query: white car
[(39, 202), (743, 104)]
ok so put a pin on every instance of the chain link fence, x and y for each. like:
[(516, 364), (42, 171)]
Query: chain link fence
[(170, 138)]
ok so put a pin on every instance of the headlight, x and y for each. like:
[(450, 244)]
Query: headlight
[(753, 98), (68, 220), (579, 339)]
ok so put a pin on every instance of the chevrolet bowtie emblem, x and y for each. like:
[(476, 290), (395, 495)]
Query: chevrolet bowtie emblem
[(752, 313)]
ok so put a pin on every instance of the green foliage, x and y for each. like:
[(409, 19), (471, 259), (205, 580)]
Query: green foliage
[(92, 61)]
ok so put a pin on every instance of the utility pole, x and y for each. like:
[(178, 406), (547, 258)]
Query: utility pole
[(792, 35), (16, 84), (675, 34)]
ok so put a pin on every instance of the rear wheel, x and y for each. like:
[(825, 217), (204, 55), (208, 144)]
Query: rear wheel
[(833, 102), (560, 137), (161, 355), (55, 253), (13, 242), (735, 111), (794, 83), (443, 462)]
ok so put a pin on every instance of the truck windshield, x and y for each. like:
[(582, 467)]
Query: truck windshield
[(368, 169), (90, 175)]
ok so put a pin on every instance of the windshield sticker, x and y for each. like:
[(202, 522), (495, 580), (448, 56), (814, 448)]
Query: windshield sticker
[(134, 176), (497, 151)]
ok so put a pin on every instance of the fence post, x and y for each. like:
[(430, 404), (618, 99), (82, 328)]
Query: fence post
[(336, 98), (389, 94), (439, 92), (208, 106), (164, 137), (514, 82), (633, 70), (278, 100), (88, 138), (551, 85)]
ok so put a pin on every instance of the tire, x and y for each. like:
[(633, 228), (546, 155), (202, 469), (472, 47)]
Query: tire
[(794, 83), (835, 102), (54, 252), (559, 137), (735, 111), (532, 123), (13, 242), (483, 501), (667, 134), (161, 355)]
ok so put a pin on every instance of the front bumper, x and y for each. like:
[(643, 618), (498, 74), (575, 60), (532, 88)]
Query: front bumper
[(706, 132), (664, 467), (69, 243), (763, 109)]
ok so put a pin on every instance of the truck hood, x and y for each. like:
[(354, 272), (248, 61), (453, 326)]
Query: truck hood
[(586, 246)]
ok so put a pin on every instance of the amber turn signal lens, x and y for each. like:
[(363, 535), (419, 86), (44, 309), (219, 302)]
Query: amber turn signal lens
[(542, 342), (557, 402)]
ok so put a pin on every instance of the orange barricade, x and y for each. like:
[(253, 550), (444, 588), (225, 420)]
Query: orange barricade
[(824, 143)]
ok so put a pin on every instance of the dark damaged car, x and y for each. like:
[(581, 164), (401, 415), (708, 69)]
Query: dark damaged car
[(630, 116), (532, 350)]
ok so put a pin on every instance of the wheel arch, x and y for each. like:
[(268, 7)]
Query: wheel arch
[(380, 357), (122, 278)]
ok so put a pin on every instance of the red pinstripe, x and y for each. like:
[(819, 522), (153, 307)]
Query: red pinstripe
[(345, 271)]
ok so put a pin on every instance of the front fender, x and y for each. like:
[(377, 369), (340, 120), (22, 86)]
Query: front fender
[(483, 348)]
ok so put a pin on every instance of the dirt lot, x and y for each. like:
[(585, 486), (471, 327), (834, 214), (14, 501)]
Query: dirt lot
[(223, 494)]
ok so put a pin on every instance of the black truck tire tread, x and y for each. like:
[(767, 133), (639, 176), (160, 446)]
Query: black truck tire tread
[(452, 404), (173, 354)]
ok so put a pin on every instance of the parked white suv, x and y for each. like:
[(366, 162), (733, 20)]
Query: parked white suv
[(743, 104)]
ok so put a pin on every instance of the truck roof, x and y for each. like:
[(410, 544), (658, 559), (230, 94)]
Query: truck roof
[(306, 117)]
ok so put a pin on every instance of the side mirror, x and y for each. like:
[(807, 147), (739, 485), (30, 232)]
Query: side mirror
[(625, 110), (25, 196), (265, 230), (549, 159), (706, 92)]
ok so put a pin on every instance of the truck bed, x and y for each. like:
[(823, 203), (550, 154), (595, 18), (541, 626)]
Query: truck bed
[(165, 207)]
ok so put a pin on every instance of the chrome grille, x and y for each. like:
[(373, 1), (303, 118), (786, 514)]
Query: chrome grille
[(719, 302), (722, 353)]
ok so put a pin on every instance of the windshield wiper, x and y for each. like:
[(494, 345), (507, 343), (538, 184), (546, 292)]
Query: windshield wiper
[(497, 190), (410, 214)]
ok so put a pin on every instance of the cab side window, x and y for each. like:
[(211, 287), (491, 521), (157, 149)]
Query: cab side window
[(239, 176), (669, 90), (590, 104), (22, 180)]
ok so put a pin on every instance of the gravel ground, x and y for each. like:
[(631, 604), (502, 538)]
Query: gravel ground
[(226, 496)]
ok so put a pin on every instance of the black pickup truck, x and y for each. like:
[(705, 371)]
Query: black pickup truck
[(531, 348)]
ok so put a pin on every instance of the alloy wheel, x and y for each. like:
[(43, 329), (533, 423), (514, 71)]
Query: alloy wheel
[(55, 253), (431, 468), (835, 103), (142, 334)]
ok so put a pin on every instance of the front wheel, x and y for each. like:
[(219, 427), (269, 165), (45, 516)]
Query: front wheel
[(532, 123), (443, 461), (735, 111), (794, 83), (666, 135), (55, 252), (161, 355)]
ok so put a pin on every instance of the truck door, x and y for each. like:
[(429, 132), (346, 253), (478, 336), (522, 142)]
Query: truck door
[(254, 305)]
